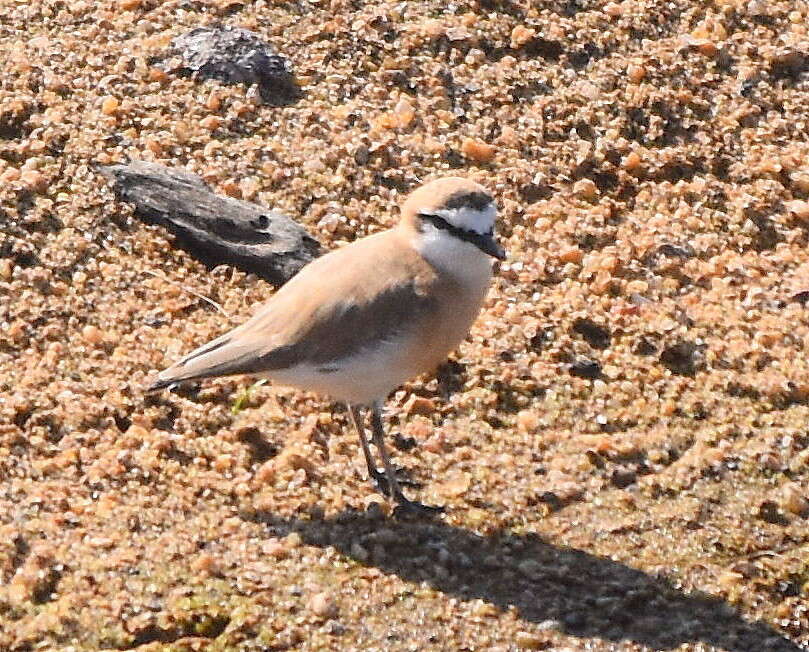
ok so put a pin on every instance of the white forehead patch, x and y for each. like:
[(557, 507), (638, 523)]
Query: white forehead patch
[(470, 219)]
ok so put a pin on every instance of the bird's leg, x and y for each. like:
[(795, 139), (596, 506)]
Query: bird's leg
[(375, 474), (393, 483)]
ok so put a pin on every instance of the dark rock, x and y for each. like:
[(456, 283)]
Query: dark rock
[(681, 358), (403, 443), (676, 251), (597, 336), (585, 368), (234, 56), (789, 64), (213, 228), (768, 511), (645, 346), (623, 477)]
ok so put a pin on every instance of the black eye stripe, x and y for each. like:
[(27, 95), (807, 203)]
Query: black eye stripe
[(468, 236)]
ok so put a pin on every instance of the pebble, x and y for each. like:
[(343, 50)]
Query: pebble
[(323, 605), (419, 405), (92, 335), (530, 641), (211, 122), (573, 255), (109, 105), (527, 420), (635, 73), (799, 209), (631, 161), (6, 269), (478, 151), (274, 548), (34, 180), (585, 188), (455, 485), (521, 35), (207, 564), (794, 500)]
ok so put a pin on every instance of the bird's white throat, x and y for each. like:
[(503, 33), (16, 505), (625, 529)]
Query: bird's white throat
[(452, 255)]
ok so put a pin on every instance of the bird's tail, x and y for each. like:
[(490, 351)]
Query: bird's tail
[(204, 362)]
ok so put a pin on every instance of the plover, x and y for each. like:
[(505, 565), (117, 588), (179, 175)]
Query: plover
[(358, 322)]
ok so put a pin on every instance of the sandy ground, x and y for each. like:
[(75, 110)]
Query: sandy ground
[(621, 442)]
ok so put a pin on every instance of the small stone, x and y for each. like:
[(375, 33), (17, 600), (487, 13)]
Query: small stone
[(527, 421), (10, 175), (799, 209), (233, 55), (358, 552), (419, 405), (794, 500), (92, 335), (129, 5), (573, 255), (274, 548), (223, 462), (729, 580), (622, 478), (800, 179), (631, 161), (213, 102), (293, 540), (206, 563), (530, 641), (323, 605), (635, 73), (34, 180), (287, 459), (376, 501), (550, 625), (706, 48), (613, 9), (109, 105), (6, 269), (211, 122), (521, 35), (768, 511), (637, 286), (585, 368), (455, 485), (478, 151), (585, 188)]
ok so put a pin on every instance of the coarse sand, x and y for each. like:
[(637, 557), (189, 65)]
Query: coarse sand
[(621, 442)]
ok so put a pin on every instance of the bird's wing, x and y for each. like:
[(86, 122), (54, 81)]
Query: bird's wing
[(338, 305)]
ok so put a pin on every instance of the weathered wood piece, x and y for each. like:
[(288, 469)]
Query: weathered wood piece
[(213, 228)]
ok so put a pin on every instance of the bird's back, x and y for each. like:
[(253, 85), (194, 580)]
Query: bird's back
[(358, 321)]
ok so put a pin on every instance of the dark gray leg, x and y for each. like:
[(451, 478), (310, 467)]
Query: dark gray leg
[(393, 482), (375, 474)]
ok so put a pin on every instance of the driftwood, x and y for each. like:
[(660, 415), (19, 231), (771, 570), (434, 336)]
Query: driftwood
[(213, 228)]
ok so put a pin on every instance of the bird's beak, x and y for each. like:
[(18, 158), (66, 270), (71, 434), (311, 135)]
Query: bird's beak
[(488, 245)]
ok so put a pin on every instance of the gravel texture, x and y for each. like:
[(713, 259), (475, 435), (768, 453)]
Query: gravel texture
[(621, 442)]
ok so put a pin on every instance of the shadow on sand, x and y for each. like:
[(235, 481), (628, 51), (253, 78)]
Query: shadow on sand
[(588, 596)]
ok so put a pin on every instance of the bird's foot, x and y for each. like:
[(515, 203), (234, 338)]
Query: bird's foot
[(407, 507), (381, 481)]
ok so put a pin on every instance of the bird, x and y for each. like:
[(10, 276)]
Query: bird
[(363, 319)]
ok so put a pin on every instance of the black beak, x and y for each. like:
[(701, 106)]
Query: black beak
[(488, 245)]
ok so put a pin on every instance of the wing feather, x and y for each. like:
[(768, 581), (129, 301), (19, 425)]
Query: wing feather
[(338, 305)]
